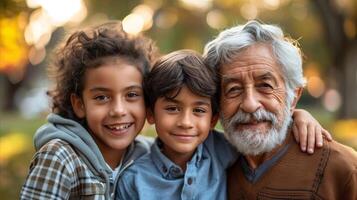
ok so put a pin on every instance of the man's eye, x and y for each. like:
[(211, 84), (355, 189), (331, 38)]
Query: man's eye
[(265, 87), (234, 91)]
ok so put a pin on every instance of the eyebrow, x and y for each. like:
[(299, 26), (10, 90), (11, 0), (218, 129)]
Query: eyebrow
[(99, 89), (104, 89), (267, 76), (198, 102), (226, 80)]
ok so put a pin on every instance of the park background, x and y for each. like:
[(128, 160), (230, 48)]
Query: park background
[(30, 30)]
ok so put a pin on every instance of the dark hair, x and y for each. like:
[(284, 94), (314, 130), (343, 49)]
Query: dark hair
[(90, 48), (177, 69)]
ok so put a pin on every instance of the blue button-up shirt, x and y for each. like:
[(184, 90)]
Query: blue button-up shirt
[(154, 176)]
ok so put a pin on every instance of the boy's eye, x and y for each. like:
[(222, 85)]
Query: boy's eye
[(199, 110), (133, 94), (101, 98), (172, 109)]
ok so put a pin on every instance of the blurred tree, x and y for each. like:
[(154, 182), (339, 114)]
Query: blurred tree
[(340, 23), (9, 8), (12, 50)]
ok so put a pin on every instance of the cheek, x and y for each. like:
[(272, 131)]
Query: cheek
[(95, 116), (276, 103), (205, 124), (228, 107), (139, 109)]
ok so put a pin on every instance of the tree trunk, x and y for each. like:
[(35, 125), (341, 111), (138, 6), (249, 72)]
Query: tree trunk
[(343, 52), (348, 84)]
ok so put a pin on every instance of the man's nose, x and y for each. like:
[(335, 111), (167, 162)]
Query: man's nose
[(118, 108), (250, 102)]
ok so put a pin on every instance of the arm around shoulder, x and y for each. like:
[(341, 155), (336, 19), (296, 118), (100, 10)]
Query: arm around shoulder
[(224, 151)]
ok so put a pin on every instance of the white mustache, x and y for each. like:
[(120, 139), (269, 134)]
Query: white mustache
[(260, 115)]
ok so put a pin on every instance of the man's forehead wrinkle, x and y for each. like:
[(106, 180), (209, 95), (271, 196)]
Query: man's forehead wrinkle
[(259, 70)]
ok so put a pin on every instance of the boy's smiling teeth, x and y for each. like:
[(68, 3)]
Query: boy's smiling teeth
[(119, 126)]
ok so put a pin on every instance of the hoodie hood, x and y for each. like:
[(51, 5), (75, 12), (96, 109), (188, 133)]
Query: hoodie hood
[(76, 135)]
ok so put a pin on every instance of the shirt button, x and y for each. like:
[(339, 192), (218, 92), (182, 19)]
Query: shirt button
[(164, 169), (189, 181), (175, 170)]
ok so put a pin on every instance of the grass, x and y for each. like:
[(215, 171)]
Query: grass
[(16, 151)]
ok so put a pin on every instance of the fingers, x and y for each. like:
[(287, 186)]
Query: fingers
[(311, 139), (326, 134), (302, 132), (296, 133), (318, 136)]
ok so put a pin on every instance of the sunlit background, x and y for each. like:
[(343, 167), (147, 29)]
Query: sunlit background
[(31, 29)]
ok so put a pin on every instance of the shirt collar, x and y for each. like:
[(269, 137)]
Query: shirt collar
[(168, 168), (253, 175)]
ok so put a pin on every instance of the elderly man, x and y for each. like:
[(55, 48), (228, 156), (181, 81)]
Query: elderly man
[(261, 82)]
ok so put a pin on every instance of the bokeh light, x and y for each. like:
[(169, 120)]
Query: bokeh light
[(332, 100), (216, 19), (271, 4), (13, 48), (146, 13), (60, 11), (200, 5), (36, 55), (12, 144), (48, 16), (315, 86), (133, 24), (249, 11)]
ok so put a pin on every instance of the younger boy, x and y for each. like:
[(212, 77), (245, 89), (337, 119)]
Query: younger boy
[(98, 110), (189, 158)]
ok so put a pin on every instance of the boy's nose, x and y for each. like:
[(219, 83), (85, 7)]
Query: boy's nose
[(250, 102), (185, 120), (118, 109)]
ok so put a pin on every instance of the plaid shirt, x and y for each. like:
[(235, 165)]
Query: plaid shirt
[(57, 172)]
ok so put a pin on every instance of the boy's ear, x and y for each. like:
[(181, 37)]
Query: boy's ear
[(214, 121), (150, 116), (298, 93), (78, 106)]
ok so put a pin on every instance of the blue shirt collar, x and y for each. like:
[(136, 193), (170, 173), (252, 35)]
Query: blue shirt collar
[(168, 168)]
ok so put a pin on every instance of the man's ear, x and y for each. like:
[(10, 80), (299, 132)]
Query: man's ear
[(214, 121), (150, 116), (78, 106), (298, 93)]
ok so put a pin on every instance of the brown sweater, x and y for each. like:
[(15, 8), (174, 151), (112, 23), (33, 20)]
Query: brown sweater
[(330, 173)]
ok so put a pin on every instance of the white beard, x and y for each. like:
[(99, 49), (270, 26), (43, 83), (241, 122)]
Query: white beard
[(255, 142)]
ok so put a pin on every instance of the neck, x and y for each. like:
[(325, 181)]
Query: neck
[(254, 161), (113, 159), (111, 156), (179, 159)]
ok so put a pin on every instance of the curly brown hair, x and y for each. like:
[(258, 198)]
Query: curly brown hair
[(90, 48)]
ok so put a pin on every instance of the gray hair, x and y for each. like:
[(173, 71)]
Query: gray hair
[(230, 42)]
